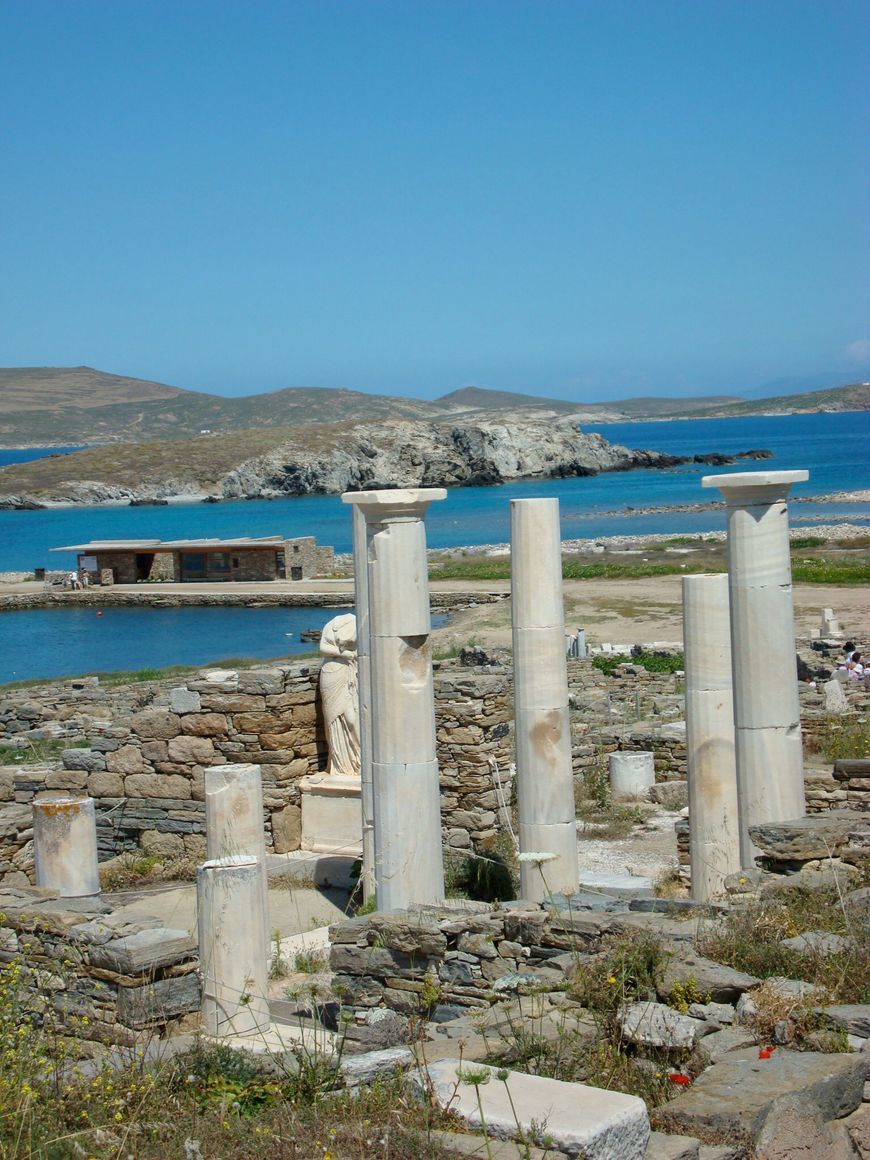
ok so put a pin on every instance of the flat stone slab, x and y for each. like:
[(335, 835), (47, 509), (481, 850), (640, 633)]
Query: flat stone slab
[(801, 840), (734, 1097), (620, 885), (723, 984), (134, 954), (662, 1147), (580, 1120), (853, 1017)]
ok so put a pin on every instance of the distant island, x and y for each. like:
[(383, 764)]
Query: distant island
[(58, 406), (326, 459)]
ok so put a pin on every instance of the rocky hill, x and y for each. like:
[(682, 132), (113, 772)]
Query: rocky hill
[(325, 459), (852, 397), (45, 407), (56, 406)]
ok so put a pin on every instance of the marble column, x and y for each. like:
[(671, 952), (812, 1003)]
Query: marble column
[(714, 826), (770, 777), (406, 806), (229, 898), (65, 845), (234, 823), (364, 682), (545, 783)]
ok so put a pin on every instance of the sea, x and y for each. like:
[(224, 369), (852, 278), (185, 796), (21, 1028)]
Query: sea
[(47, 643)]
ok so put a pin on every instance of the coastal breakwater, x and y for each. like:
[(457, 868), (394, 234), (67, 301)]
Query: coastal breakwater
[(331, 460)]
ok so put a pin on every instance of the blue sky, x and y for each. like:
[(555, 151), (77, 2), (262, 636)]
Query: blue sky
[(581, 199)]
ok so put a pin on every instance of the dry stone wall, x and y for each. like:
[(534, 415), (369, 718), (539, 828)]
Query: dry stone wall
[(107, 978), (146, 751), (141, 750)]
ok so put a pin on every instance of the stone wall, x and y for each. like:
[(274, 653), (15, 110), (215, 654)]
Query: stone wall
[(112, 980), (438, 961), (304, 552), (148, 748)]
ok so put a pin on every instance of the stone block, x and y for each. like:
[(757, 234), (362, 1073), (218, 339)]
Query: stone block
[(204, 724), (370, 1066), (801, 840), (259, 723), (157, 785), (737, 1094), (662, 1147), (194, 846), (104, 784), (287, 829), (268, 682), (158, 1002), (655, 1025), (232, 703), (723, 984), (127, 759), (192, 750), (136, 954), (156, 725), (577, 1119), (673, 795), (66, 779), (854, 1018), (184, 701), (792, 1130), (284, 741), (161, 845), (155, 751), (85, 759)]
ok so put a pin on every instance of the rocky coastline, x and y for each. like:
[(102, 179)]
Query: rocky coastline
[(389, 455)]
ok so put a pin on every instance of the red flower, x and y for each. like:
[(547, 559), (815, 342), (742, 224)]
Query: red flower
[(676, 1077), (765, 1053)]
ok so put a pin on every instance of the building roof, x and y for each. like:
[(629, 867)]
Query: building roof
[(246, 543)]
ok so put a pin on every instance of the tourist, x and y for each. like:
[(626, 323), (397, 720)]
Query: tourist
[(855, 668), (73, 581)]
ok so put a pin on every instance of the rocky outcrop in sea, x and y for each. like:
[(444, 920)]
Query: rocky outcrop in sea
[(399, 453)]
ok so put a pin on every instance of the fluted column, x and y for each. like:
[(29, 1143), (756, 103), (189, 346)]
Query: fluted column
[(714, 827), (545, 784), (406, 805), (766, 707)]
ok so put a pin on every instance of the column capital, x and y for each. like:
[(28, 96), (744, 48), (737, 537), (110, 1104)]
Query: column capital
[(743, 488), (394, 502)]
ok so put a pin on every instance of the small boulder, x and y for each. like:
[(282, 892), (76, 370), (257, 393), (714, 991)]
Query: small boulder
[(655, 1025)]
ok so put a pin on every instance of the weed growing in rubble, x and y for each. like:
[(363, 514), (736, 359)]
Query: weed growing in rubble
[(842, 739), (750, 940), (211, 1102)]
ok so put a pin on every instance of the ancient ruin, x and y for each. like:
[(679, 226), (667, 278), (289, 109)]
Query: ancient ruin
[(766, 708), (608, 1021)]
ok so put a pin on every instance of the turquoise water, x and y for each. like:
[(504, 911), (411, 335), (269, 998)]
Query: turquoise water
[(58, 642), (64, 642), (833, 447)]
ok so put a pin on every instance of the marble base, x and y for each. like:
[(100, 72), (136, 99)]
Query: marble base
[(332, 814)]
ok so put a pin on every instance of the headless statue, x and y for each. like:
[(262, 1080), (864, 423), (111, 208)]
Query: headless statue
[(339, 695)]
